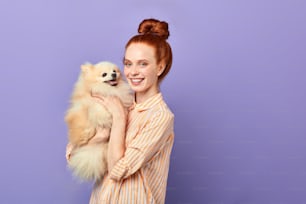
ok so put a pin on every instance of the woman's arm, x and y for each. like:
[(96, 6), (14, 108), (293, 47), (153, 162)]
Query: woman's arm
[(124, 161), (150, 139), (116, 147)]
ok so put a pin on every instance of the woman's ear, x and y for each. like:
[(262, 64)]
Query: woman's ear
[(161, 68)]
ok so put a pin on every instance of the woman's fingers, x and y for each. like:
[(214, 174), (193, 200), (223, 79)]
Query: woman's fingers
[(112, 103), (99, 99), (69, 149)]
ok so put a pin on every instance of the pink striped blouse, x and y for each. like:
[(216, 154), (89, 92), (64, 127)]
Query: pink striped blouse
[(140, 176)]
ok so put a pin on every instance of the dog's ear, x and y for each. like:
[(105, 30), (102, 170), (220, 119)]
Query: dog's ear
[(86, 67)]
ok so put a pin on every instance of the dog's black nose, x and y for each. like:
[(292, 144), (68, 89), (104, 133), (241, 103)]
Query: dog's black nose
[(114, 75)]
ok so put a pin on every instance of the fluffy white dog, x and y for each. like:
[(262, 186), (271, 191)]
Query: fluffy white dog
[(88, 159)]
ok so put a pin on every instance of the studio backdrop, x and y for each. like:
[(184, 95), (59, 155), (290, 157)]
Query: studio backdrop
[(237, 88)]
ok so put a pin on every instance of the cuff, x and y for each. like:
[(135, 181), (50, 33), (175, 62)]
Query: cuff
[(119, 170)]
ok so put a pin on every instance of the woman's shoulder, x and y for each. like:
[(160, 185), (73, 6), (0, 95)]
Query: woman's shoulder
[(163, 110), (158, 108)]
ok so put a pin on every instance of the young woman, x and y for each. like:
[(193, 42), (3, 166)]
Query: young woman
[(141, 140)]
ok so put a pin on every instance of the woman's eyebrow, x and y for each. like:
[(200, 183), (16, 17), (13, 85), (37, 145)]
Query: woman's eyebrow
[(137, 61), (125, 60), (142, 60)]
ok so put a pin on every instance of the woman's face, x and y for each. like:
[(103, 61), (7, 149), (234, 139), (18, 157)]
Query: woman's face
[(141, 69)]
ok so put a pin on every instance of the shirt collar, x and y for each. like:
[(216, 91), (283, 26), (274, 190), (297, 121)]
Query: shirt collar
[(150, 102)]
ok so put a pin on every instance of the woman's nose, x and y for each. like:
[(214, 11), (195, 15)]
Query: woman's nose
[(134, 70)]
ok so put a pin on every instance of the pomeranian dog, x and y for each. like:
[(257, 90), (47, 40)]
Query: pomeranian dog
[(88, 160)]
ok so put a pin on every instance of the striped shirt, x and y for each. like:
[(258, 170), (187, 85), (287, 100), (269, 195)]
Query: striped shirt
[(140, 176)]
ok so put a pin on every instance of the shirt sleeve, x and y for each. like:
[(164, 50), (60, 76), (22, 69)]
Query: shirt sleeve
[(144, 146)]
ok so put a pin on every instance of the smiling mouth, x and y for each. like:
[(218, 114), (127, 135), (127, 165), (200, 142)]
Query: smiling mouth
[(136, 80), (112, 82)]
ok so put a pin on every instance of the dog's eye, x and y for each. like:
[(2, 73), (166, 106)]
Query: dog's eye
[(114, 71), (104, 74)]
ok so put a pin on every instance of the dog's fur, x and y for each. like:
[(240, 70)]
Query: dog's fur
[(85, 115)]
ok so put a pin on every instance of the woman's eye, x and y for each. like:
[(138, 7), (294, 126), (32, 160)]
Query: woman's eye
[(143, 64), (127, 64)]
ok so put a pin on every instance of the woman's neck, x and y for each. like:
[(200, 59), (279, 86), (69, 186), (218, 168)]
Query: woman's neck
[(141, 97)]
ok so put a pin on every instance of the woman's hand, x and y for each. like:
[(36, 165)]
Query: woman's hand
[(102, 135), (69, 149), (113, 105)]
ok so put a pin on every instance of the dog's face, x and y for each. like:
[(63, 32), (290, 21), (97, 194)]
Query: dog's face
[(103, 72)]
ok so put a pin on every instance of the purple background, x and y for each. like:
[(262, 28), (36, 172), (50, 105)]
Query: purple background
[(237, 89)]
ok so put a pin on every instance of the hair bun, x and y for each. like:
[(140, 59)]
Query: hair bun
[(154, 27)]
